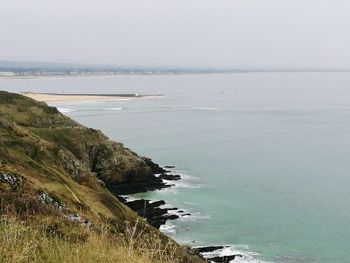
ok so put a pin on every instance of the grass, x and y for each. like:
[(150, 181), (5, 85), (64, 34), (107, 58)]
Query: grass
[(51, 153), (22, 243), (30, 231)]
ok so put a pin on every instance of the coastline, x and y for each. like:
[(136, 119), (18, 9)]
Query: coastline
[(64, 98), (58, 190), (154, 211), (148, 177), (165, 73), (156, 214)]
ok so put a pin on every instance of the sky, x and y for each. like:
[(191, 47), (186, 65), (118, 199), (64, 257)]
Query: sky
[(178, 33)]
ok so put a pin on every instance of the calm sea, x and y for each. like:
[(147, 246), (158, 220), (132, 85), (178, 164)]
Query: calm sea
[(265, 158)]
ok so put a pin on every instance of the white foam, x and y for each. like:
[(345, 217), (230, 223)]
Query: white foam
[(188, 242), (198, 216), (229, 250), (176, 212), (168, 228), (129, 198), (65, 110), (186, 181), (113, 109), (185, 214), (179, 184)]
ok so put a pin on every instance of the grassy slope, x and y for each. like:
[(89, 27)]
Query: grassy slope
[(58, 169)]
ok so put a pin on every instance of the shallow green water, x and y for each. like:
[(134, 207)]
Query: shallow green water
[(265, 157)]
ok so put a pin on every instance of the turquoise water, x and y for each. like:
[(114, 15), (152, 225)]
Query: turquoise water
[(264, 157)]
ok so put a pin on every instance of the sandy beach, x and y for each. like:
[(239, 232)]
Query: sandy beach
[(49, 98)]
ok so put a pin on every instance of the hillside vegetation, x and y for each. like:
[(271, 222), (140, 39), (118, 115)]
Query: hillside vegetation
[(55, 203)]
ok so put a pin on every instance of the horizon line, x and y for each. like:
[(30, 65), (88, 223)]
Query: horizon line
[(18, 64)]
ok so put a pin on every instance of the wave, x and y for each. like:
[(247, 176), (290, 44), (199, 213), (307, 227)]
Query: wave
[(205, 108), (230, 250), (190, 215), (128, 198), (65, 110), (113, 109), (186, 181), (167, 108), (103, 109), (168, 228), (177, 108)]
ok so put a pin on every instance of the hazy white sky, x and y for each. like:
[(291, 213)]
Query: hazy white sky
[(231, 33)]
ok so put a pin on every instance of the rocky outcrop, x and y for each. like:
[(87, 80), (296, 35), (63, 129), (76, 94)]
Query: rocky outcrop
[(169, 177), (54, 168), (206, 253), (40, 137), (151, 211), (12, 180)]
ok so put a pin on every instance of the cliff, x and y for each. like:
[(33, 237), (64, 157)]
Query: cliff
[(59, 175)]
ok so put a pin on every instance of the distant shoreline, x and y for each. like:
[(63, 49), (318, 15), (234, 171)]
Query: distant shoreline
[(82, 97), (160, 73)]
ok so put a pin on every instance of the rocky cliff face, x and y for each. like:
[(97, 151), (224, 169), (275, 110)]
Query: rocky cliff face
[(42, 150), (53, 168), (49, 152), (86, 155)]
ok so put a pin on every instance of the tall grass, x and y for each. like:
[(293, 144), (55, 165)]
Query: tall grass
[(31, 231), (20, 242)]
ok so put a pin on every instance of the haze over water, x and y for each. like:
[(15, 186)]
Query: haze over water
[(265, 157)]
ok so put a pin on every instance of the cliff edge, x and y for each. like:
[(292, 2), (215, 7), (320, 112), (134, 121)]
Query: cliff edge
[(62, 180)]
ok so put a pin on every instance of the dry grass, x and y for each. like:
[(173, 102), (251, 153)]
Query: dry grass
[(22, 243), (48, 152)]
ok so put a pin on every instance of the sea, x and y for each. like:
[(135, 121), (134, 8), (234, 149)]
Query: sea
[(264, 157)]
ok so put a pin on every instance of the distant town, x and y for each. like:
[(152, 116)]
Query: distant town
[(11, 69)]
